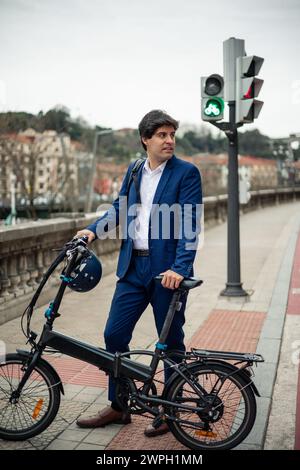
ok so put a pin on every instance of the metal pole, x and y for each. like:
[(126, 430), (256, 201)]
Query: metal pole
[(233, 285), (13, 198), (11, 218), (89, 199)]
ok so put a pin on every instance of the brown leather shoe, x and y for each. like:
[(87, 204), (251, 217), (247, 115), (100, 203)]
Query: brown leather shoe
[(104, 417), (150, 431)]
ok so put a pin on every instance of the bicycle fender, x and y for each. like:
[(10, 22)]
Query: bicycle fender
[(47, 365), (244, 373), (231, 368)]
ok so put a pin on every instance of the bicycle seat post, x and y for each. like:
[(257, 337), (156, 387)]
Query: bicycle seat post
[(170, 315), (161, 344)]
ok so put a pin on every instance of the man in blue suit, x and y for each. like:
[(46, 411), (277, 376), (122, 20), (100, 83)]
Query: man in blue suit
[(155, 240)]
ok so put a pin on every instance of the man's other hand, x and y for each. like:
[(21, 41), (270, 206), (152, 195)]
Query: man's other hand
[(87, 233), (171, 280)]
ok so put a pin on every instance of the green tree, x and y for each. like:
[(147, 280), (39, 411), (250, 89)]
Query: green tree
[(254, 143)]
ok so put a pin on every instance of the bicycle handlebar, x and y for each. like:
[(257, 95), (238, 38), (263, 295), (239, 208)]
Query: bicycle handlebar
[(81, 241), (68, 247)]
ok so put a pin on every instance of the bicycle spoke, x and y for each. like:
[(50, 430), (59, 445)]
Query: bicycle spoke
[(227, 405), (20, 416)]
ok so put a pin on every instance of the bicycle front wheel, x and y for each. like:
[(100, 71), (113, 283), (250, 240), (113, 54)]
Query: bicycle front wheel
[(227, 417), (37, 406)]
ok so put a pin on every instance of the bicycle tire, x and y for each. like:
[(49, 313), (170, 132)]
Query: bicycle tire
[(38, 403), (242, 401)]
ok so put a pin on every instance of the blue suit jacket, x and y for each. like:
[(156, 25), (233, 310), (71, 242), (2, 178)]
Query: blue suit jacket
[(180, 184)]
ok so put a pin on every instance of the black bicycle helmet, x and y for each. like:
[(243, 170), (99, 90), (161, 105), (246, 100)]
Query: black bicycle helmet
[(87, 273)]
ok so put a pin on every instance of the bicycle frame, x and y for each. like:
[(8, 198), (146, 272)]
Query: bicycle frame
[(119, 365)]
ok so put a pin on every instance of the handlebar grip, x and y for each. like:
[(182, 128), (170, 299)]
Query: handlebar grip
[(84, 239)]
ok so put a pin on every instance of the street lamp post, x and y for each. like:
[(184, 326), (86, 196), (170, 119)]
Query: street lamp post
[(11, 219), (89, 200)]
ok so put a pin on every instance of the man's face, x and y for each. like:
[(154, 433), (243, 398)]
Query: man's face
[(162, 144)]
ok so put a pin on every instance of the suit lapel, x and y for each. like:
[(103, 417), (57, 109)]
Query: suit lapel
[(163, 180)]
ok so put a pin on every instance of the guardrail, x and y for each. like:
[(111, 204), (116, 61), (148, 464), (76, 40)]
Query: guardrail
[(26, 249)]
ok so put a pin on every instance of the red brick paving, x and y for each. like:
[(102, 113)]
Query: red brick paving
[(229, 330), (73, 371)]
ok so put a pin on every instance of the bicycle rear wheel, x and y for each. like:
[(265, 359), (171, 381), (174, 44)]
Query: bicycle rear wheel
[(229, 416), (37, 405)]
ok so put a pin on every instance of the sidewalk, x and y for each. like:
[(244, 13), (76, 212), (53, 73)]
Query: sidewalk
[(268, 322)]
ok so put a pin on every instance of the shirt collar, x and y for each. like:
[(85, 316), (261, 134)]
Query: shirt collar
[(159, 169)]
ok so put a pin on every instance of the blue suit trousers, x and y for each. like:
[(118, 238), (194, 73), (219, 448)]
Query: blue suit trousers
[(133, 294)]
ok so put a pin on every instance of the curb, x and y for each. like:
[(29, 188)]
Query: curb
[(269, 344)]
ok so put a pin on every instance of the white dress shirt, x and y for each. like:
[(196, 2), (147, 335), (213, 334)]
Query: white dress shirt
[(149, 183)]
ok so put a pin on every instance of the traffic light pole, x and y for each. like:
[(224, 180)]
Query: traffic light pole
[(233, 286), (239, 87)]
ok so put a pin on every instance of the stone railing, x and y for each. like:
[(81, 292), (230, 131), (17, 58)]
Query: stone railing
[(215, 207), (26, 249)]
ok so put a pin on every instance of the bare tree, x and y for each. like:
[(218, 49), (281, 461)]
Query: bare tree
[(20, 158), (65, 183), (26, 156)]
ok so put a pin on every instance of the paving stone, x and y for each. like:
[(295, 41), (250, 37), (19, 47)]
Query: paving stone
[(244, 446), (84, 397), (86, 446), (16, 445), (75, 434), (256, 436), (269, 348), (102, 436), (72, 388), (94, 391), (265, 378), (102, 400), (61, 444), (273, 328)]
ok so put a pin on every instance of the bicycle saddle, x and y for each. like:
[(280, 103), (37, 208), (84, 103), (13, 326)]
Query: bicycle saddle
[(186, 283)]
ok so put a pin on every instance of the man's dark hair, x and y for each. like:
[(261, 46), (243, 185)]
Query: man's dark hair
[(152, 121)]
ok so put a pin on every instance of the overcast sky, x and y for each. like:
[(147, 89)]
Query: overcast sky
[(111, 61)]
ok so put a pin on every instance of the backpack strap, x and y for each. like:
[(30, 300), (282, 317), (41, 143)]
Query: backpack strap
[(133, 176)]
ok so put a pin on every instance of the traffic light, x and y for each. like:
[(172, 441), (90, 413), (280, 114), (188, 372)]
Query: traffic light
[(244, 191), (248, 88), (212, 105)]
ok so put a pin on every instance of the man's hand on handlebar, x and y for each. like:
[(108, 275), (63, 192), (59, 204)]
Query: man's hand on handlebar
[(87, 233)]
